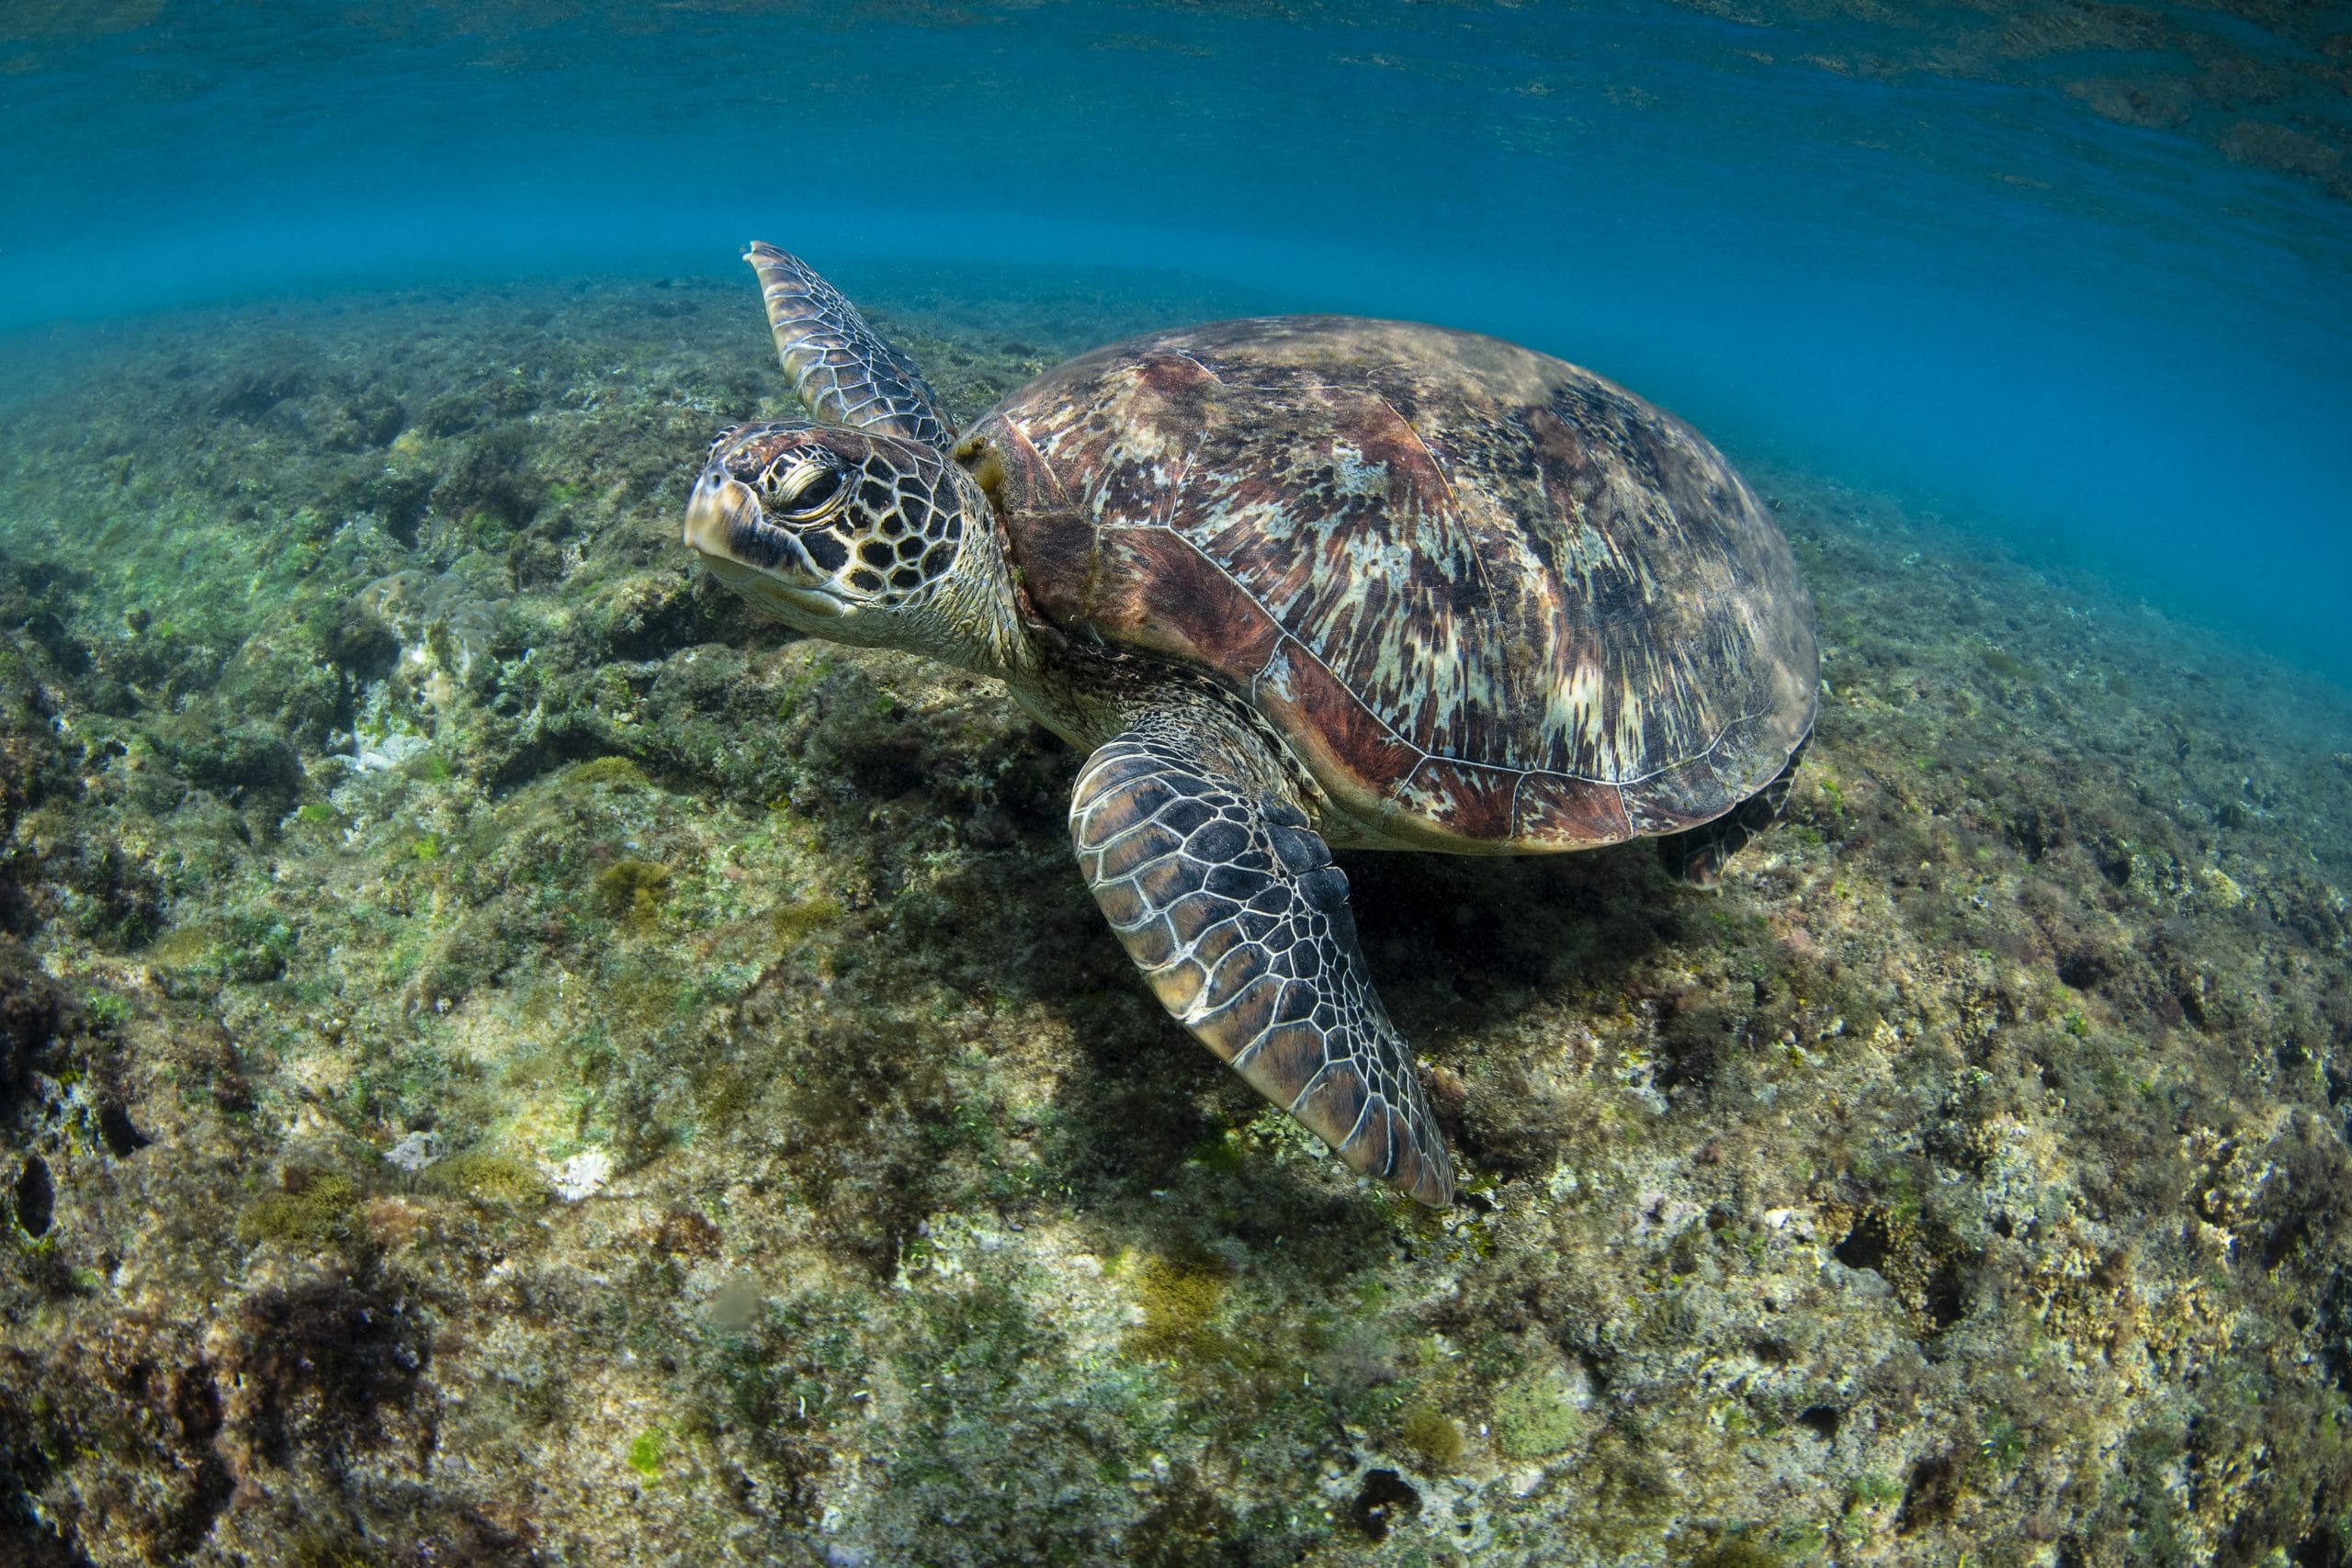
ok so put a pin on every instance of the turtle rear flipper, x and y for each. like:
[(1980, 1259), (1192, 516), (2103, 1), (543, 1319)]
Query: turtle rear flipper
[(1228, 902), (1699, 855), (842, 370)]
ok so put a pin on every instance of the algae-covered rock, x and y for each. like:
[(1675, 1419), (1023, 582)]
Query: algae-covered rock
[(792, 1171), (310, 1207), (1536, 1415)]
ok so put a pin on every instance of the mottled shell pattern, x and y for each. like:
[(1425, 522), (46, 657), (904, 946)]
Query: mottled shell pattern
[(1493, 602)]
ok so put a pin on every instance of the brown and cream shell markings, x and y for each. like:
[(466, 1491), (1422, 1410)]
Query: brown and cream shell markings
[(1494, 602)]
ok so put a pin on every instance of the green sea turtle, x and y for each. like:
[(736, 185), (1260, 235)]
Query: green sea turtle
[(1293, 583)]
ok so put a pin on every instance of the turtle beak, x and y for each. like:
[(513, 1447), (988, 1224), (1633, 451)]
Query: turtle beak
[(766, 564), (722, 507)]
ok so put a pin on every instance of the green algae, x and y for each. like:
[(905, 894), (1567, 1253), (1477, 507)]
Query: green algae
[(1762, 1550), (312, 1207), (1533, 1416), (1431, 1436), (1179, 1298), (633, 888), (493, 1179), (608, 773), (798, 921), (2005, 665), (644, 1453)]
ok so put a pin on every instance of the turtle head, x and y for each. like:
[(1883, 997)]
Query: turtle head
[(859, 538)]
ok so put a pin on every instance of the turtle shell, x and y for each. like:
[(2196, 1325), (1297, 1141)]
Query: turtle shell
[(1493, 601)]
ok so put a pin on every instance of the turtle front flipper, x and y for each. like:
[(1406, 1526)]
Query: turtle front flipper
[(842, 370), (1698, 855), (1228, 902)]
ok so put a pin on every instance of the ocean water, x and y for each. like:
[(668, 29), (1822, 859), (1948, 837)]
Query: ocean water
[(1910, 246), (508, 1056)]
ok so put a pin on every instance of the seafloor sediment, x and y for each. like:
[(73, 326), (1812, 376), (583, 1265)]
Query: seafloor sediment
[(507, 1058)]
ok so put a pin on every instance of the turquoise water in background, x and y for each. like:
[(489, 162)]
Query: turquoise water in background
[(1887, 250)]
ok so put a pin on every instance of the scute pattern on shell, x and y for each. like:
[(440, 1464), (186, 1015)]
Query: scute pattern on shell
[(1493, 600)]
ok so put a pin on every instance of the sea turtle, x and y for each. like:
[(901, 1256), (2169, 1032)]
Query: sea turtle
[(1292, 582)]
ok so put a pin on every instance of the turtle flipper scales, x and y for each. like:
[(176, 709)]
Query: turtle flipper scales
[(1228, 902), (842, 370)]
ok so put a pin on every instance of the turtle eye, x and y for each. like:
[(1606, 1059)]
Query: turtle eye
[(807, 491)]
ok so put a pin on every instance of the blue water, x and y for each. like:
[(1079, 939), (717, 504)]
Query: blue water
[(2119, 344)]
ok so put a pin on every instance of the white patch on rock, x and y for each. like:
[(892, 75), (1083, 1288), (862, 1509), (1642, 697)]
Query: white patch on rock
[(386, 749), (582, 1176), (414, 1153)]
